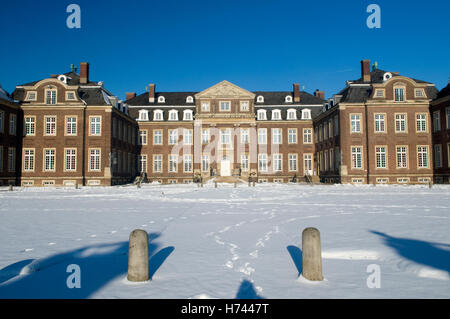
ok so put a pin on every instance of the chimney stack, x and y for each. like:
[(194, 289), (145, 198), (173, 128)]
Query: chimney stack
[(151, 93), (84, 72), (319, 94), (296, 93), (130, 95), (365, 70)]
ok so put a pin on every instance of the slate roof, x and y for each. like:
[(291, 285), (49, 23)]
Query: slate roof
[(444, 92), (72, 79), (171, 98), (315, 110), (278, 98), (376, 76)]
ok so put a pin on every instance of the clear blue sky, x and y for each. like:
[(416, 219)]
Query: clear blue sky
[(191, 45)]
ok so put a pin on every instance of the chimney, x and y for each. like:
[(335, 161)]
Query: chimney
[(319, 94), (130, 95), (151, 93), (296, 93), (84, 72), (365, 70)]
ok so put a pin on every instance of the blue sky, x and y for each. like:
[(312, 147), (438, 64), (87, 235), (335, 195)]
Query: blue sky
[(191, 45)]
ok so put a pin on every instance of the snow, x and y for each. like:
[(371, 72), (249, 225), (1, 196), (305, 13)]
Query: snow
[(226, 242)]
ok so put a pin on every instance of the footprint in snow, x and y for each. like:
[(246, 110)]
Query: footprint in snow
[(51, 244), (27, 250), (145, 225), (113, 231), (93, 236)]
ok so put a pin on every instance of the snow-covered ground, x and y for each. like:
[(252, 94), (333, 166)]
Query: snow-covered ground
[(228, 242)]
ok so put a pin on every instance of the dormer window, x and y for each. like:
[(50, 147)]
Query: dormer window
[(291, 114), (143, 115), (187, 115), (161, 99), (158, 115), (50, 96), (173, 115), (399, 94), (306, 114), (419, 93), (276, 115), (70, 96), (205, 106), (244, 106), (31, 96), (260, 99), (262, 116), (189, 99), (288, 99), (379, 93)]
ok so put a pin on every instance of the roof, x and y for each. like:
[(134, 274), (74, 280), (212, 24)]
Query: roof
[(5, 96), (376, 76), (171, 98), (73, 78), (444, 92)]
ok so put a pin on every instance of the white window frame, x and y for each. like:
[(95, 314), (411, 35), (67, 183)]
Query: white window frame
[(277, 136), (70, 159), (355, 123), (401, 156), (276, 115), (262, 136), (262, 162), (187, 115), (357, 157), (158, 115), (381, 157), (422, 156), (95, 156), (50, 126), (95, 125), (223, 103), (292, 136), (306, 114), (49, 160), (262, 115), (173, 115), (71, 127)]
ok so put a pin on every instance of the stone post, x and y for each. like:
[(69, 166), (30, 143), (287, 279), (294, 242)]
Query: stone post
[(311, 255), (215, 184), (138, 256), (10, 187)]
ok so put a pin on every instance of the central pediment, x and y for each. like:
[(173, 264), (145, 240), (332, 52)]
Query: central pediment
[(225, 90)]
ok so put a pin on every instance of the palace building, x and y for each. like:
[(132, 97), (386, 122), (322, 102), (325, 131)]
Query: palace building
[(67, 130)]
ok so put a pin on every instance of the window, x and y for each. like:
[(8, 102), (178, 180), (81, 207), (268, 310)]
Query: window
[(357, 157), (380, 126), (292, 135), (225, 137), (11, 159), (320, 132), (262, 136), (49, 159), (288, 99), (292, 162), (142, 164), (173, 163), (157, 137), (325, 131), (331, 159), (225, 106), (381, 158), (276, 115), (143, 115), (173, 137), (29, 125), (96, 126), (189, 99), (187, 163), (421, 123), (70, 159), (173, 115), (307, 136), (187, 115), (277, 137), (94, 159), (307, 163), (244, 106), (262, 116), (316, 134), (71, 125), (143, 137), (306, 114), (277, 162), (70, 96), (161, 99), (422, 156), (205, 163), (402, 157), (1, 158), (157, 163), (28, 160), (355, 120), (399, 94), (31, 96), (400, 123), (448, 117), (260, 99), (244, 136), (291, 114), (379, 93), (336, 125), (2, 121), (420, 93), (436, 121), (158, 115), (330, 128), (244, 162), (262, 162), (50, 96), (50, 125), (12, 124), (187, 137), (205, 106), (438, 156), (205, 136)]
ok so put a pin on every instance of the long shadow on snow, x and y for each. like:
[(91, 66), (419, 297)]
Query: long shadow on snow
[(296, 255), (99, 264), (422, 252), (247, 291)]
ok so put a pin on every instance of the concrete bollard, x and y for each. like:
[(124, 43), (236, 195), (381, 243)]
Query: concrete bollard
[(215, 184), (10, 187), (235, 184), (254, 184), (138, 185), (138, 256), (430, 184), (311, 254), (76, 185)]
